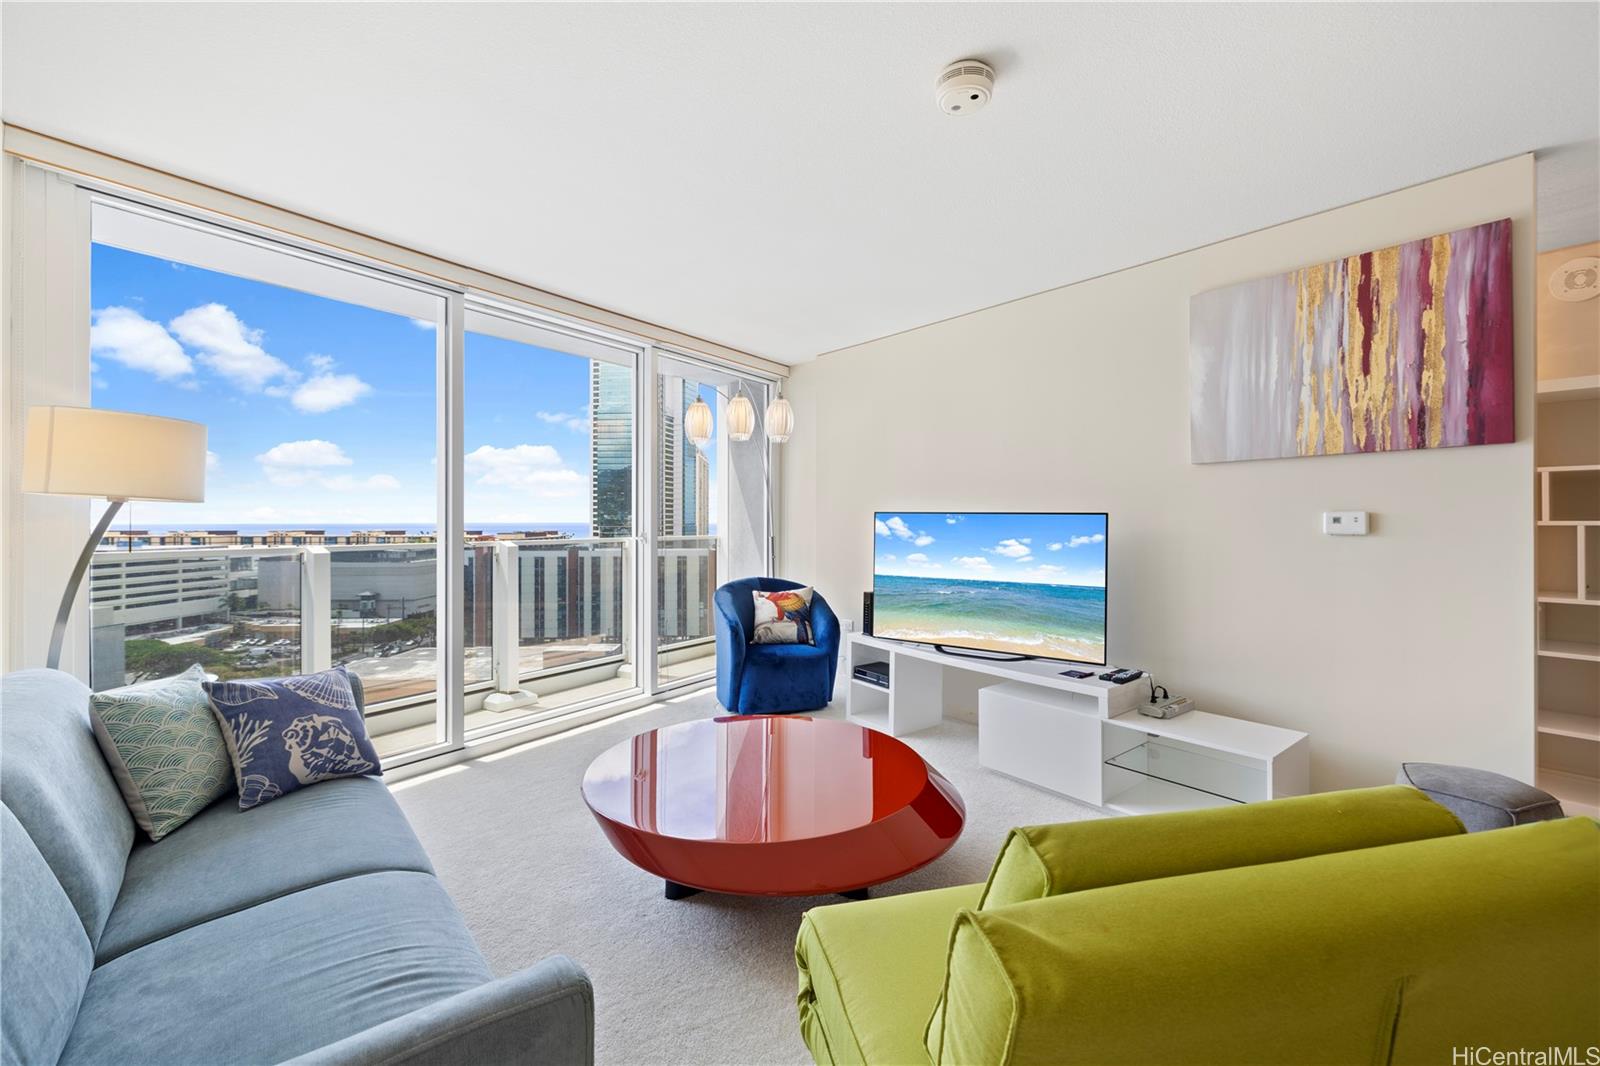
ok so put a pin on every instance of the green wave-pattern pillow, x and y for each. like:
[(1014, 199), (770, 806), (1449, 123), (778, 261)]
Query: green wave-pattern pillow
[(164, 747)]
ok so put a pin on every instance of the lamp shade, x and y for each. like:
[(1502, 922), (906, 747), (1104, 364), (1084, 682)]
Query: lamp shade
[(82, 451), (780, 420), (741, 418), (697, 423)]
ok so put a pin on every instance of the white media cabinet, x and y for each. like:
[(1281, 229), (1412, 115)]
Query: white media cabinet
[(1082, 738)]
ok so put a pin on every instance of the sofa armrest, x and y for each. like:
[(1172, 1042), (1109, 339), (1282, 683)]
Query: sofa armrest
[(542, 1015)]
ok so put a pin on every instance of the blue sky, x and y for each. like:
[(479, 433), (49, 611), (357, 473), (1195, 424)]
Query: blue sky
[(322, 412), (1031, 548)]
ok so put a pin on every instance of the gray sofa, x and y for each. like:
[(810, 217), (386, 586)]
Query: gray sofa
[(311, 929)]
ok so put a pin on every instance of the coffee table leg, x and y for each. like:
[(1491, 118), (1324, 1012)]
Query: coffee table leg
[(856, 893), (677, 891)]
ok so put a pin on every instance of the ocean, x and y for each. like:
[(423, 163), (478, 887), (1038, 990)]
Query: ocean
[(1064, 621)]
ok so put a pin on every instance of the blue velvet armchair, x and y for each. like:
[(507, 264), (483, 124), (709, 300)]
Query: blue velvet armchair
[(772, 678)]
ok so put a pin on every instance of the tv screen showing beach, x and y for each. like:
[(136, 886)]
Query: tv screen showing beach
[(1026, 584)]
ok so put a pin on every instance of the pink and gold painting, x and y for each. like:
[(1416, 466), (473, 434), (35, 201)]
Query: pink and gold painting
[(1406, 347)]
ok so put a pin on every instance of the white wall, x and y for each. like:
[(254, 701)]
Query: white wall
[(1413, 643)]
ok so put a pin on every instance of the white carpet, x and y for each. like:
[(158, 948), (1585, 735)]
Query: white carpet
[(707, 980)]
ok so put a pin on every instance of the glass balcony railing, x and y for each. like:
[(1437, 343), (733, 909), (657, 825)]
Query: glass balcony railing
[(545, 622)]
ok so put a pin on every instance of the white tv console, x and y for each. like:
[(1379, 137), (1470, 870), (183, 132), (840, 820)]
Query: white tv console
[(1082, 738)]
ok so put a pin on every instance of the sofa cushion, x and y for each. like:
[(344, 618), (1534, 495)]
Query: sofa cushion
[(339, 829), (44, 953), (870, 972), (1481, 799), (290, 732), (282, 978), (782, 616), (164, 749), (55, 781), (1400, 954), (1048, 860)]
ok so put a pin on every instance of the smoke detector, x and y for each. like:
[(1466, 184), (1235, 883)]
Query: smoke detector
[(964, 86), (1576, 279)]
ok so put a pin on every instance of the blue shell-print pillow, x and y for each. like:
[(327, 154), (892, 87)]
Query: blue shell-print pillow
[(289, 732)]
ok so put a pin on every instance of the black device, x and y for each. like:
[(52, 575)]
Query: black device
[(1077, 675), (872, 674), (866, 613), (1121, 677)]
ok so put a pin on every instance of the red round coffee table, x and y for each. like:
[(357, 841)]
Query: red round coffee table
[(772, 806)]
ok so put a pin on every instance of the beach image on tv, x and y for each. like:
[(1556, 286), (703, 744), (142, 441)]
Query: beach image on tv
[(1031, 584)]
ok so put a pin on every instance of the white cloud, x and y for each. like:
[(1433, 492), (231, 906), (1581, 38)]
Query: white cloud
[(896, 526), (889, 558), (320, 362), (916, 557), (347, 483), (297, 462), (1093, 538), (1045, 569), (972, 562), (328, 392), (424, 323), (124, 336), (952, 519), (1012, 548), (1057, 546), (576, 423), (213, 461), (229, 347), (535, 468), (881, 527)]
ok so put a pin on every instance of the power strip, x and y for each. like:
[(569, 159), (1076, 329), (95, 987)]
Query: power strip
[(1167, 708)]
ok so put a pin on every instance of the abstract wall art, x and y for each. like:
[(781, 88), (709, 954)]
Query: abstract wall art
[(1406, 347)]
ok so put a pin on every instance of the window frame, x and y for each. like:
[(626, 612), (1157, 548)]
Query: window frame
[(48, 248)]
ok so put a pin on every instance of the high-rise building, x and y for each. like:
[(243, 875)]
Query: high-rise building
[(611, 449), (683, 493), (702, 494)]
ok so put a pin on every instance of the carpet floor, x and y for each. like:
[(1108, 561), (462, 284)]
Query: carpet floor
[(707, 980)]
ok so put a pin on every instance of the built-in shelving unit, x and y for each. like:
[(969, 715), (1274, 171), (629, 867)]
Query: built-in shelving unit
[(1567, 547)]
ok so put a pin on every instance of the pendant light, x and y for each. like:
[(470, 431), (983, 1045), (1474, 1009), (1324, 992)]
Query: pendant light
[(780, 420), (741, 418), (697, 423)]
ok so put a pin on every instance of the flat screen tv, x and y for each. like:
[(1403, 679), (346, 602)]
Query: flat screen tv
[(1028, 584)]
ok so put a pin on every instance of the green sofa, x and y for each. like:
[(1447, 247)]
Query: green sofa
[(1347, 927)]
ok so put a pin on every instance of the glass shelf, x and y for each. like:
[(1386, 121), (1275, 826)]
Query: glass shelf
[(1227, 780)]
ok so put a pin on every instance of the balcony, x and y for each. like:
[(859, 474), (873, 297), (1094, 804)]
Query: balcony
[(544, 627)]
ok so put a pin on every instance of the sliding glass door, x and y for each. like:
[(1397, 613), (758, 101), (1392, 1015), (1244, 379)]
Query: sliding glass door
[(711, 504), (488, 513), (548, 483), (317, 541)]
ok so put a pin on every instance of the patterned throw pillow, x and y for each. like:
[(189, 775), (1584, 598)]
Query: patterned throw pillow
[(164, 748), (289, 732), (783, 617)]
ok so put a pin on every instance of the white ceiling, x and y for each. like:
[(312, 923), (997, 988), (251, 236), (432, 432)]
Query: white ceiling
[(777, 177)]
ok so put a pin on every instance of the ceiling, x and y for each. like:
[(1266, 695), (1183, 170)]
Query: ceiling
[(777, 177)]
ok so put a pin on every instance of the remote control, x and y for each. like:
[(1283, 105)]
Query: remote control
[(1121, 677), (1077, 674)]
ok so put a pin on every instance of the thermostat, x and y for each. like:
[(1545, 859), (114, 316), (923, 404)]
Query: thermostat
[(1344, 523)]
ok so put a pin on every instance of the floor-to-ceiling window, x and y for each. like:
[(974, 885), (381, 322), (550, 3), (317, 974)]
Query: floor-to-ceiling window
[(316, 384), (444, 492), (711, 490), (548, 503)]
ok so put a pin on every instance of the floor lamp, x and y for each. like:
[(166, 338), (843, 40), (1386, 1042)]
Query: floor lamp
[(81, 451)]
